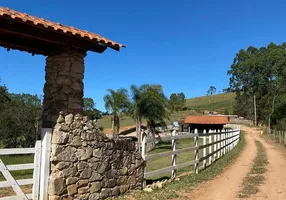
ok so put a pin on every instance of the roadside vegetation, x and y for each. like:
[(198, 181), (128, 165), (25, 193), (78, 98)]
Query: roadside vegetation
[(191, 180), (256, 176)]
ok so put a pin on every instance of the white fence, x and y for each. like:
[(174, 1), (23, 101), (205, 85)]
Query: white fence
[(40, 170), (278, 136), (219, 143)]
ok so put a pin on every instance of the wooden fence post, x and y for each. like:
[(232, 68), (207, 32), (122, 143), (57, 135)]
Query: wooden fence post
[(227, 140), (46, 135), (143, 154), (204, 150), (235, 138), (231, 140), (275, 133), (218, 144), (224, 142), (174, 156), (37, 169), (196, 155), (284, 138), (215, 132), (210, 147)]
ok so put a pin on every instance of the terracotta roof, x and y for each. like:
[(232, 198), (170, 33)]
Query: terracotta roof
[(57, 27), (206, 119)]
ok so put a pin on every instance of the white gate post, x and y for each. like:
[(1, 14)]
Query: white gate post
[(46, 135), (174, 156), (196, 138), (37, 169), (143, 153)]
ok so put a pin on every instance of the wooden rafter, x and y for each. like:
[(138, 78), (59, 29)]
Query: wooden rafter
[(16, 35)]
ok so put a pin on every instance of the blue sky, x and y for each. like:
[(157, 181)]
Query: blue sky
[(186, 45)]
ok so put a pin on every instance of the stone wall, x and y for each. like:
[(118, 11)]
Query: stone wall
[(63, 90), (85, 164)]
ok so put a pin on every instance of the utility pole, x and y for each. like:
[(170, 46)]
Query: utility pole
[(255, 116)]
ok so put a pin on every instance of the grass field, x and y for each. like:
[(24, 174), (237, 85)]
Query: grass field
[(21, 174), (167, 160), (221, 102), (18, 159)]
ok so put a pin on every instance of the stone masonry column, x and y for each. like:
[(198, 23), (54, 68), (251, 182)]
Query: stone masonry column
[(63, 90)]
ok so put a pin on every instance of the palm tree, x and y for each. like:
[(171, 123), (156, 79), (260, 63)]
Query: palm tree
[(149, 103), (116, 102)]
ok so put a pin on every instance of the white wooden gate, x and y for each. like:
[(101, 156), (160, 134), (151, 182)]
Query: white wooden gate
[(41, 167)]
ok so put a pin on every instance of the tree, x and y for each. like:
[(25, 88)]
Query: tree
[(260, 72), (177, 101), (90, 110), (18, 120), (116, 102), (149, 103), (211, 91), (3, 95)]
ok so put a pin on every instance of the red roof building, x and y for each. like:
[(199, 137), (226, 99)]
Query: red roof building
[(203, 122)]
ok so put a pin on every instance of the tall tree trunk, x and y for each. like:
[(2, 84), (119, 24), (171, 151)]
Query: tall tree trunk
[(138, 132), (272, 109), (116, 126), (271, 113), (151, 132), (112, 125), (137, 129)]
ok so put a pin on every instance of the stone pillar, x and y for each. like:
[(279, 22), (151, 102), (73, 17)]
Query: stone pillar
[(63, 90)]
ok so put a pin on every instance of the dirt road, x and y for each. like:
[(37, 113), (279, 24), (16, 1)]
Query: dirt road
[(227, 185)]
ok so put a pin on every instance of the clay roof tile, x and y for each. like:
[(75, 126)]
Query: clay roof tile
[(206, 119), (36, 21)]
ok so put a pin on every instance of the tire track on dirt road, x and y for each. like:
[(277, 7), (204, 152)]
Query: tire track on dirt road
[(274, 187)]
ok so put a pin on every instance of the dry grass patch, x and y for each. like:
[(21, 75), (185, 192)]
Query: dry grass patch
[(256, 176), (5, 192)]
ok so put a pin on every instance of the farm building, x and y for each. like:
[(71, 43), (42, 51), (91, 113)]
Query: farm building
[(204, 122)]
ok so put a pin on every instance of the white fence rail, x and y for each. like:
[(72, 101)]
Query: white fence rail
[(219, 143), (15, 184), (41, 167)]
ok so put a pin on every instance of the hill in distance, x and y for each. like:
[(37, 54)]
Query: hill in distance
[(219, 102)]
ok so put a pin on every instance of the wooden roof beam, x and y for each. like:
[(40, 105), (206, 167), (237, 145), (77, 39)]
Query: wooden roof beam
[(48, 36)]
